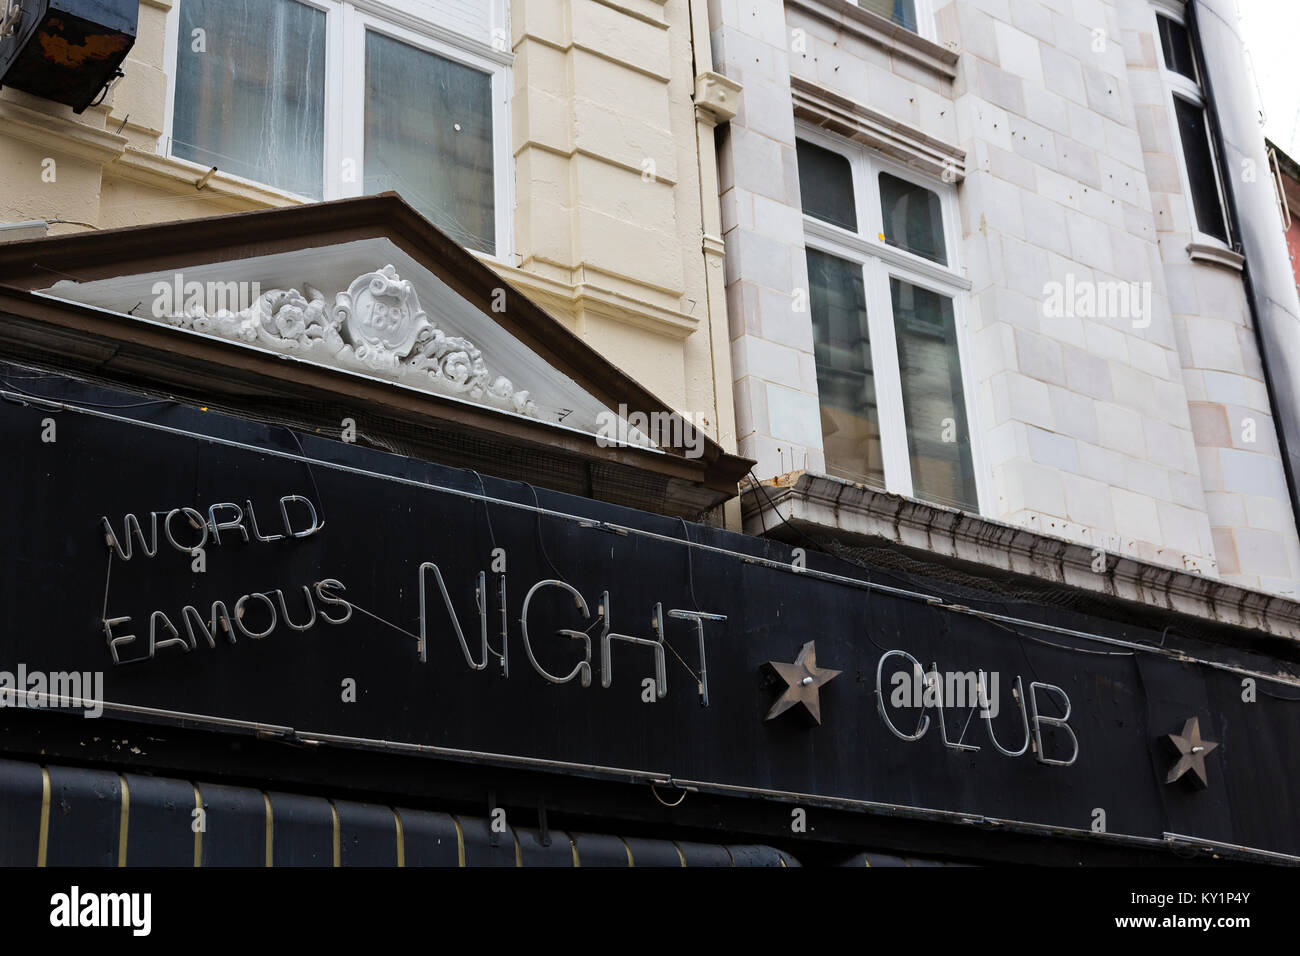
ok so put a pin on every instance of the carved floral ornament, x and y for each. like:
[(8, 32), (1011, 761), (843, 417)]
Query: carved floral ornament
[(376, 326)]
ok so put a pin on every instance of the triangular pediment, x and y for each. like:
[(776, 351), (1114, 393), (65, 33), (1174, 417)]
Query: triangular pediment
[(365, 306), (364, 288)]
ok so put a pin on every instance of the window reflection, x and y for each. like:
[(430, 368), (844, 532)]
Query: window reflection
[(913, 218), (938, 437), (429, 137), (846, 382), (251, 101)]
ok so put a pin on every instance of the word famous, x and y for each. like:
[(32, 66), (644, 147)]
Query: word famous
[(255, 615)]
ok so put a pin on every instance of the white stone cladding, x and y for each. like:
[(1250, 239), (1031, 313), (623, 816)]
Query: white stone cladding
[(1238, 455), (775, 378), (1124, 432)]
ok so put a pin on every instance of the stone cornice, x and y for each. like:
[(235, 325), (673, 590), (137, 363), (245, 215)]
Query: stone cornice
[(860, 123), (1216, 254), (573, 298), (831, 504), (60, 134), (121, 160), (567, 153), (883, 32), (154, 169), (655, 19), (571, 45)]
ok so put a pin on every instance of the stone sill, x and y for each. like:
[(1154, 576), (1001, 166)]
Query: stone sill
[(883, 32), (831, 503), (183, 177), (70, 136), (1215, 254), (56, 128)]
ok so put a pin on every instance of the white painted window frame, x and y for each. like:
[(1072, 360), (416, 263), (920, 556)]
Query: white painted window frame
[(1177, 85), (346, 23), (880, 262), (925, 22)]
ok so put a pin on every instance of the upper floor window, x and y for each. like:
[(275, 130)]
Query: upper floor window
[(887, 309), (325, 99), (902, 12), (1200, 171)]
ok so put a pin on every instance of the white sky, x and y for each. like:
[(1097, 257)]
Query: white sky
[(1272, 32)]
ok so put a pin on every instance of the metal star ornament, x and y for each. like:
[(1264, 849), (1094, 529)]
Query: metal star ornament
[(1191, 755), (802, 678)]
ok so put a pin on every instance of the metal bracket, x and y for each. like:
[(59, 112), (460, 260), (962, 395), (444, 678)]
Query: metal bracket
[(12, 17), (1276, 169)]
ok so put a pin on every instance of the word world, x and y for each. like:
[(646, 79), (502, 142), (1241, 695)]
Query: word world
[(257, 614), (189, 531)]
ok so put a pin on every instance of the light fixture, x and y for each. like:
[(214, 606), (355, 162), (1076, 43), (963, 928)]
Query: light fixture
[(67, 51)]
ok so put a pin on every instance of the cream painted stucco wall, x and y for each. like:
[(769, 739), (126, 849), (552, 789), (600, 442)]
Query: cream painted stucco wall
[(617, 224)]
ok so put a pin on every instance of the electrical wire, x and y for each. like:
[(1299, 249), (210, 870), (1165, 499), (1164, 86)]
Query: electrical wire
[(487, 513), (690, 565), (541, 542), (353, 604), (819, 548), (310, 474), (54, 401), (588, 522)]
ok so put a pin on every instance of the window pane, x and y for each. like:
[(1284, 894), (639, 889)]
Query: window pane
[(913, 218), (845, 381), (934, 406), (429, 137), (902, 12), (1200, 168), (251, 101), (1177, 45), (826, 185)]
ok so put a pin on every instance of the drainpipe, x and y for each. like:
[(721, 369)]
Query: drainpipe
[(716, 100), (1233, 109)]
